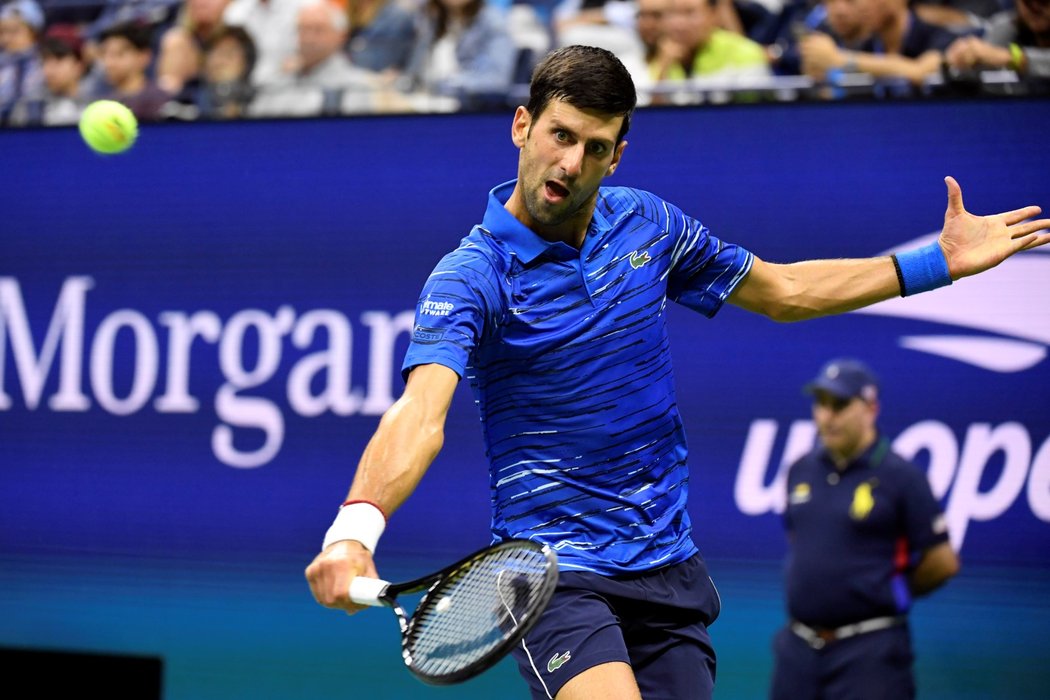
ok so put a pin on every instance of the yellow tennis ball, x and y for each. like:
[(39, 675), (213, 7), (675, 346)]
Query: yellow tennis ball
[(107, 126)]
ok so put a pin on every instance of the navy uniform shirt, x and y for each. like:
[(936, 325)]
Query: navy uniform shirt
[(566, 351), (855, 534)]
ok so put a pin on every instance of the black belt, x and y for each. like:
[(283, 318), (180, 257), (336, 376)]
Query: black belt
[(819, 637)]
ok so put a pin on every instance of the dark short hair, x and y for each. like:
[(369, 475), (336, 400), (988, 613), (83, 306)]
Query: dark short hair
[(135, 33), (53, 47), (62, 40), (587, 77), (242, 37)]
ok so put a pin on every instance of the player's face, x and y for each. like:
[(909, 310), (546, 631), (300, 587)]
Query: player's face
[(565, 154), (846, 426)]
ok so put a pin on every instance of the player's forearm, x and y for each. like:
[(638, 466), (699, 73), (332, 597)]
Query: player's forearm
[(409, 437), (814, 288)]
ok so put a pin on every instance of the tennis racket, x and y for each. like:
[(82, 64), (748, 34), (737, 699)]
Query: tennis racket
[(473, 612)]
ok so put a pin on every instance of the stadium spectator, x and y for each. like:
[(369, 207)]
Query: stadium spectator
[(159, 15), (271, 24), (382, 34), (866, 537), (1017, 39), (181, 50), (697, 47), (226, 87), (61, 97), (959, 15), (569, 14), (847, 22), (649, 25), (321, 79), (609, 24), (530, 29), (463, 51), (21, 72), (125, 53), (902, 53)]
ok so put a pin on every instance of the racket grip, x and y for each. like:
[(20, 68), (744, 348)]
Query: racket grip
[(366, 591)]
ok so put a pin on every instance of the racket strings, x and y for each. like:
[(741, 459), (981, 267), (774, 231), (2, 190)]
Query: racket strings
[(477, 608)]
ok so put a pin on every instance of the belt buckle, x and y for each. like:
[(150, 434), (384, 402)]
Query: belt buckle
[(816, 638)]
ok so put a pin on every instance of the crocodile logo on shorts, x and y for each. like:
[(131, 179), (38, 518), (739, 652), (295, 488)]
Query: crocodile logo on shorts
[(557, 661), (639, 258)]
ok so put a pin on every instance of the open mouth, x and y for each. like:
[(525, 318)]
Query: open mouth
[(556, 191)]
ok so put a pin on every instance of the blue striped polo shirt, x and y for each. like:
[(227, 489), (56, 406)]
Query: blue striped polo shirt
[(567, 354)]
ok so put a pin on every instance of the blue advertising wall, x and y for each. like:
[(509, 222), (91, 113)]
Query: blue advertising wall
[(198, 337)]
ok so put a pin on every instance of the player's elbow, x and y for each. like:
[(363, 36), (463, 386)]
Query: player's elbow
[(788, 306), (776, 291), (790, 313)]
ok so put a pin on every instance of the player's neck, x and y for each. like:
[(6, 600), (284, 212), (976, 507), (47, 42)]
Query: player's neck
[(572, 231)]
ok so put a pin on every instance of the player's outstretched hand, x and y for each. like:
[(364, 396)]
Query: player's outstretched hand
[(973, 244), (331, 571)]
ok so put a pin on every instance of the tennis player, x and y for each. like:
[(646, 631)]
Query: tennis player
[(554, 308)]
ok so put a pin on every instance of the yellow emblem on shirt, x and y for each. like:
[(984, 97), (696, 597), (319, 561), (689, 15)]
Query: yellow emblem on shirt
[(863, 502), (800, 494)]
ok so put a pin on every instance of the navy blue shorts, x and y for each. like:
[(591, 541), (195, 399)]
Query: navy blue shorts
[(655, 621), (872, 666)]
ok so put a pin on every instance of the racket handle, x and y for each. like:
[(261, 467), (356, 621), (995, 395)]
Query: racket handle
[(366, 591)]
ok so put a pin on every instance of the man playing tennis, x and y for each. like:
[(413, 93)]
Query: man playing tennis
[(555, 308)]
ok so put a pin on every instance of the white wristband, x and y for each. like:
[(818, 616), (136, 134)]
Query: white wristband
[(358, 521)]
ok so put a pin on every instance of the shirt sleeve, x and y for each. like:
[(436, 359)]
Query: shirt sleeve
[(450, 315), (704, 269), (923, 516)]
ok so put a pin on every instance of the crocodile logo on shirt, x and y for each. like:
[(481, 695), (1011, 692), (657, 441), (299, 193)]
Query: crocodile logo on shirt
[(639, 258), (557, 661)]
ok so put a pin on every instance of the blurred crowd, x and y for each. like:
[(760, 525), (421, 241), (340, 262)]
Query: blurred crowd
[(229, 59)]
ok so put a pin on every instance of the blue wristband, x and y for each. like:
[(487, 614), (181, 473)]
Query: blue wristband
[(922, 269)]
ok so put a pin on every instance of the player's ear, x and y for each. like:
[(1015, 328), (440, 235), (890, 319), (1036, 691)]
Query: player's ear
[(617, 155), (519, 130)]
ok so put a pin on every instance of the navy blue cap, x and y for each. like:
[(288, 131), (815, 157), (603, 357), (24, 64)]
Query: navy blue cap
[(845, 378)]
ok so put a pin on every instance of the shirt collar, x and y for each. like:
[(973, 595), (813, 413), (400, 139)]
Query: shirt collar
[(871, 457), (525, 243)]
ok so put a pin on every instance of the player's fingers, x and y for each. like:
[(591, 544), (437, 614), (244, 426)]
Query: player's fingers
[(329, 579), (1019, 215), (1033, 240)]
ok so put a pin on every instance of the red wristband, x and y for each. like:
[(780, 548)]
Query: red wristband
[(375, 505)]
